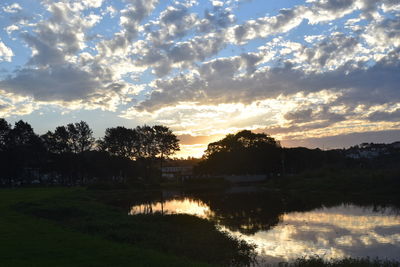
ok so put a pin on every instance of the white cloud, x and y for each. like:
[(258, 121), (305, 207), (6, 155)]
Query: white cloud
[(217, 3), (11, 28), (92, 3), (6, 53), (181, 66), (13, 8)]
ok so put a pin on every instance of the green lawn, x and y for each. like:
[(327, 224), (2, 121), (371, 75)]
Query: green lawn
[(27, 240)]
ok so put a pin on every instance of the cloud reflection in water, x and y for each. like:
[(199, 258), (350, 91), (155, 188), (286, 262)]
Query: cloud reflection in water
[(331, 233)]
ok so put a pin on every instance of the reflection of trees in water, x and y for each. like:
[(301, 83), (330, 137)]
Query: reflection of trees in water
[(244, 212), (251, 212)]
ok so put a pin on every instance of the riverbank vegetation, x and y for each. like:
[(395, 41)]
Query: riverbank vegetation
[(77, 210), (27, 240), (75, 226), (90, 226)]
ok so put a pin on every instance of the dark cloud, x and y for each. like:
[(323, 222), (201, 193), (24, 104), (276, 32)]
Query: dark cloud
[(345, 140), (334, 4), (47, 53), (385, 116), (331, 50), (134, 14), (65, 83), (218, 83), (299, 116), (218, 18), (184, 50)]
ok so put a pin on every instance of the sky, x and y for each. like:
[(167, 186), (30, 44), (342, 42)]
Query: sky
[(314, 73)]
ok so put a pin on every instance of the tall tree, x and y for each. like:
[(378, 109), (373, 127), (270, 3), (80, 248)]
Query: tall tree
[(61, 137), (242, 153), (120, 141), (5, 129), (73, 137), (80, 137), (166, 142), (22, 135), (146, 147), (85, 137), (57, 142)]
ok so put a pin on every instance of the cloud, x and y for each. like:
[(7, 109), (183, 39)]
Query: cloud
[(303, 115), (13, 8), (6, 53), (329, 53), (136, 11), (54, 73), (57, 83), (308, 69), (92, 3), (286, 20), (383, 34), (219, 81), (216, 19), (385, 116), (345, 140)]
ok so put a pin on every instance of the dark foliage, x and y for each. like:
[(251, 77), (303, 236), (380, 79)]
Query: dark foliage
[(69, 155), (252, 153), (242, 153)]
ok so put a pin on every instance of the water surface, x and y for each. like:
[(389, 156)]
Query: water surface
[(343, 230)]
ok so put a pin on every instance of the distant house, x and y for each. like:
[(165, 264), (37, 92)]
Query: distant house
[(395, 145), (177, 172), (368, 151)]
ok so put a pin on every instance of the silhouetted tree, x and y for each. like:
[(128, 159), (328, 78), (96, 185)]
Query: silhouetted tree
[(143, 144), (23, 153), (59, 141), (22, 134), (242, 153), (146, 147), (5, 129), (80, 137), (120, 141), (85, 136), (167, 143)]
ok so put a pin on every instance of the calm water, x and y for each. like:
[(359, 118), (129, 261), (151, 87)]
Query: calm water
[(344, 230)]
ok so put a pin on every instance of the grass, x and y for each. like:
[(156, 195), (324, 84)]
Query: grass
[(73, 227), (27, 240), (80, 212)]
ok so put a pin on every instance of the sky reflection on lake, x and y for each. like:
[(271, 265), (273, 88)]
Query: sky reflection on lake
[(174, 206), (331, 233)]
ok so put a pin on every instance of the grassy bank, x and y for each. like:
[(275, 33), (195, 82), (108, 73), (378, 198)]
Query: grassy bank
[(66, 227), (27, 240)]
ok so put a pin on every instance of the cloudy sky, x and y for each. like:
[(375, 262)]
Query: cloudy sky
[(312, 73)]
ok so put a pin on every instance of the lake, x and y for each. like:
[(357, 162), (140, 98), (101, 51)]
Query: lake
[(284, 230)]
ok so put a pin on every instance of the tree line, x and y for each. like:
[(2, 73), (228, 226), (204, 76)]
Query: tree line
[(71, 155), (247, 153)]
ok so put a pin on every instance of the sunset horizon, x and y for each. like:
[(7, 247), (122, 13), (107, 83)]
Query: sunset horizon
[(309, 73)]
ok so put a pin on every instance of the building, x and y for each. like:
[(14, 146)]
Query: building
[(177, 172)]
